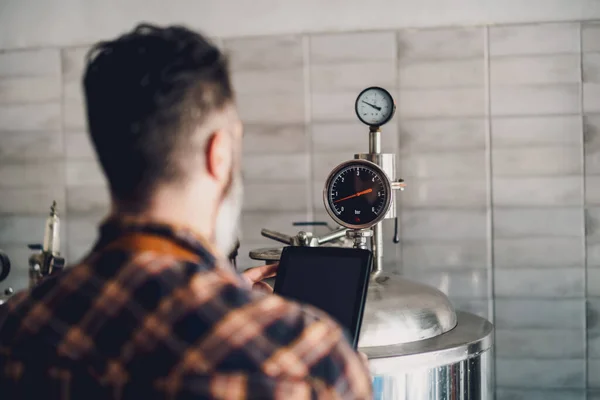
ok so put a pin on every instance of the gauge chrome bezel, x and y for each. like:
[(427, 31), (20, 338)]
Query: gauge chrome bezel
[(387, 187)]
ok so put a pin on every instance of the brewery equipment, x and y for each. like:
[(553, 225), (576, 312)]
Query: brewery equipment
[(47, 259), (336, 237), (419, 347), (4, 272)]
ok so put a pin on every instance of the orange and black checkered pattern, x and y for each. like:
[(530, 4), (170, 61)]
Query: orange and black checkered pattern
[(152, 313)]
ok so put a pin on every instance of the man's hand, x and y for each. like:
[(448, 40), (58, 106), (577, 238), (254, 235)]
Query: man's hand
[(255, 275)]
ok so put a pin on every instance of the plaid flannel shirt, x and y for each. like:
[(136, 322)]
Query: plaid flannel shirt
[(152, 313)]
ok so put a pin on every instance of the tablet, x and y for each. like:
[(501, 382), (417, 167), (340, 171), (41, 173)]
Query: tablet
[(333, 279)]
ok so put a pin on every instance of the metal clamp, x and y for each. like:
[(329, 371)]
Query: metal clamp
[(304, 238), (398, 185), (360, 237)]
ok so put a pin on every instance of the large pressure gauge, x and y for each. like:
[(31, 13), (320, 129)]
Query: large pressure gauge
[(375, 106), (357, 194)]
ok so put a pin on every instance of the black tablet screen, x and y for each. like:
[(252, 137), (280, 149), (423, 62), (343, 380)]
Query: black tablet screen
[(331, 279)]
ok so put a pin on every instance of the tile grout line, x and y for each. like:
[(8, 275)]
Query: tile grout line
[(307, 125), (488, 155), (489, 199), (399, 247), (63, 207), (583, 209)]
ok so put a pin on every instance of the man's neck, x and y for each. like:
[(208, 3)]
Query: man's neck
[(178, 211)]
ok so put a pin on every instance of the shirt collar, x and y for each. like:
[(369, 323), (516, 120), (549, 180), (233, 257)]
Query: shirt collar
[(116, 226)]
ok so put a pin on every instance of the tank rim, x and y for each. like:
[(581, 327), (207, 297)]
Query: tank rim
[(471, 336)]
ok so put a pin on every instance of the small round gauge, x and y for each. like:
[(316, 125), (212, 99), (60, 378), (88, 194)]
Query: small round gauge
[(375, 106), (357, 194)]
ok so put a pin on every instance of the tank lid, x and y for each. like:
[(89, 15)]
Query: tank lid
[(399, 311)]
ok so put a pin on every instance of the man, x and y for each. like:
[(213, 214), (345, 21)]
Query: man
[(155, 311)]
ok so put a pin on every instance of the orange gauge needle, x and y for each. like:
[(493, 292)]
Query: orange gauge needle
[(354, 195)]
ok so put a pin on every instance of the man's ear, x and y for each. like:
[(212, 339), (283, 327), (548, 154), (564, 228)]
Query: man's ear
[(219, 156)]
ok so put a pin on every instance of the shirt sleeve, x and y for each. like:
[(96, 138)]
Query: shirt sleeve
[(335, 369)]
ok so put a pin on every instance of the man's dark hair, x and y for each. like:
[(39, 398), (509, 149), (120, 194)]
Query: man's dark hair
[(146, 93)]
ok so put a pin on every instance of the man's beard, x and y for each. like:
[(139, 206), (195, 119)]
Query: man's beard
[(228, 216)]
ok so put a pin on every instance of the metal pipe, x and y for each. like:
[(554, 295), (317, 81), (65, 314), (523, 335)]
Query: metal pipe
[(377, 248), (375, 141), (377, 239), (280, 237), (398, 185), (331, 236)]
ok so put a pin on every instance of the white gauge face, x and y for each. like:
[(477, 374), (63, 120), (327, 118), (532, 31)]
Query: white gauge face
[(375, 106)]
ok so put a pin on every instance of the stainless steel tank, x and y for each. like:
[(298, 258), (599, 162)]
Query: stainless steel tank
[(419, 347)]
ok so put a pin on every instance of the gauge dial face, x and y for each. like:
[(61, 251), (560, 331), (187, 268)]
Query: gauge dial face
[(375, 106), (357, 194)]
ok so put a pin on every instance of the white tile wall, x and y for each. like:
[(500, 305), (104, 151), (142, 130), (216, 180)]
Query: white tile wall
[(30, 117), (30, 146), (269, 82), (441, 74), (538, 252), (29, 90), (442, 103), (441, 192), (441, 44), (534, 39), (539, 314), (463, 164), (456, 284), (539, 394), (446, 255), (338, 48), (559, 373), (352, 77), (540, 343), (538, 283), (535, 100), (264, 52), (590, 32), (431, 224), (524, 222), (529, 131), (276, 168), (269, 138), (535, 70), (24, 175), (534, 191), (28, 63), (33, 200), (422, 135)]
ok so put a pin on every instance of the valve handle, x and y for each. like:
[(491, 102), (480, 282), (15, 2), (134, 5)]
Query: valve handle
[(396, 234), (331, 236), (280, 237)]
